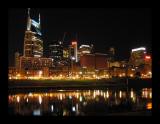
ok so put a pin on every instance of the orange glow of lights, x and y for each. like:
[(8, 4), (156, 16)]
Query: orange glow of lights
[(18, 99), (149, 105), (147, 57), (74, 43)]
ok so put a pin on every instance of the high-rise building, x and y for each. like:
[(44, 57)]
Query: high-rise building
[(56, 51), (73, 51), (84, 49), (32, 59), (17, 60), (137, 57), (33, 44)]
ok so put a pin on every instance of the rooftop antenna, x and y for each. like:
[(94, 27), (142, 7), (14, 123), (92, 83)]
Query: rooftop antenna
[(28, 12), (28, 20), (39, 19)]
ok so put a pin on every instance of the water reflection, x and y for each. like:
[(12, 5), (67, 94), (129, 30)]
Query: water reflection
[(80, 102), (146, 93)]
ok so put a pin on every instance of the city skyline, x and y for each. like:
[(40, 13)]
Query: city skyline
[(122, 28)]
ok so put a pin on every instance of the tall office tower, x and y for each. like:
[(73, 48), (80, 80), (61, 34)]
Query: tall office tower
[(137, 57), (73, 51), (33, 44), (84, 49), (56, 52), (65, 42), (17, 60)]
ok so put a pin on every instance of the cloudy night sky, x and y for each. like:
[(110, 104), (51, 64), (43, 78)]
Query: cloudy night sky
[(122, 28)]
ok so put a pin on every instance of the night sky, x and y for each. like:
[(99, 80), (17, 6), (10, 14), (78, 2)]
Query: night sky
[(123, 29)]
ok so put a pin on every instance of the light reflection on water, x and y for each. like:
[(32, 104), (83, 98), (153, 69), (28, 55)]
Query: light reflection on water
[(79, 102)]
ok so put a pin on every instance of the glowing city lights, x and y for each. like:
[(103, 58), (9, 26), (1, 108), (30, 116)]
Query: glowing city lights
[(132, 94), (73, 109), (107, 94), (120, 94), (18, 99), (65, 77), (74, 43), (52, 108), (80, 98), (149, 105), (147, 57), (61, 97), (84, 46), (137, 49), (40, 99)]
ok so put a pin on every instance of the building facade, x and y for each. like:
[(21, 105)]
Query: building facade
[(17, 60), (56, 52), (33, 43), (137, 57), (84, 49), (34, 63), (74, 51), (97, 61)]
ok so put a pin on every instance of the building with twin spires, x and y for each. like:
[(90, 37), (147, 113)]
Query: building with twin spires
[(33, 43), (32, 62)]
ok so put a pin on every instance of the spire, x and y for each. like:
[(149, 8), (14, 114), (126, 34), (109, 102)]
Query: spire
[(29, 12), (39, 19), (28, 20)]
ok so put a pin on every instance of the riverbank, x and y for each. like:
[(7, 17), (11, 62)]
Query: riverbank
[(80, 84)]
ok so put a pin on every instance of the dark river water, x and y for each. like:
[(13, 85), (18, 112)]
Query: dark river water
[(81, 102)]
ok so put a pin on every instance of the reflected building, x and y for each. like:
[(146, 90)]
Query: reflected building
[(81, 101)]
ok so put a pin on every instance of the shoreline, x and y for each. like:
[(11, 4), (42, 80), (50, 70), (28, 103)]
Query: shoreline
[(35, 85)]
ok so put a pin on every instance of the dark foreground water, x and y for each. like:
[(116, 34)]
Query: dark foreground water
[(82, 102)]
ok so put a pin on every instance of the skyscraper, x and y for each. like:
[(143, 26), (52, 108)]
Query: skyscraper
[(32, 59), (33, 44), (84, 49), (56, 52), (137, 57), (74, 47), (17, 60)]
